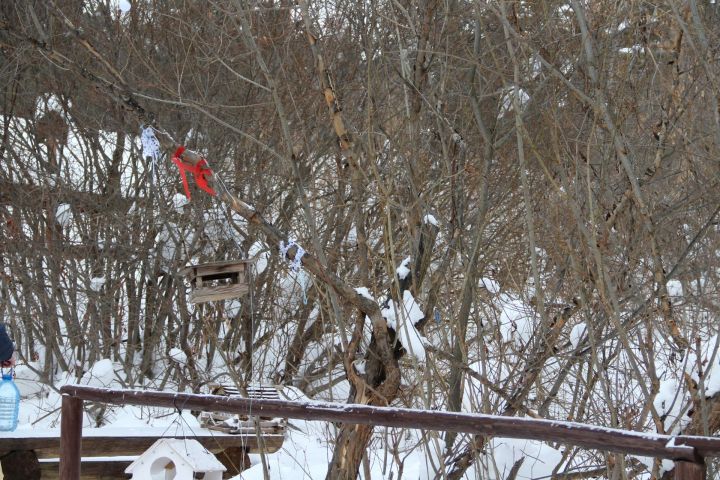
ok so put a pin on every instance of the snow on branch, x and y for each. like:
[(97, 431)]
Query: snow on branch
[(364, 292), (404, 269), (402, 318), (430, 219)]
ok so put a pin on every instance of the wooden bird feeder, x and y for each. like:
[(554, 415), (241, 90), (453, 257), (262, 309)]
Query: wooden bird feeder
[(217, 280)]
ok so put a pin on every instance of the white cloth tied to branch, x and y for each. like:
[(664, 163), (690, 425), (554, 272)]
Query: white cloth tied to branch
[(296, 263), (151, 147)]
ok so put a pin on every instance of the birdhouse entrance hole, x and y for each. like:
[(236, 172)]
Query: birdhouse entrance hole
[(217, 281), (162, 469)]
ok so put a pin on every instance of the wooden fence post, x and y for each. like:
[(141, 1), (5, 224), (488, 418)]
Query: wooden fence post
[(70, 437), (690, 470)]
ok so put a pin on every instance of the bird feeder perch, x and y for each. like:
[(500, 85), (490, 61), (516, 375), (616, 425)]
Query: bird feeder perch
[(217, 280)]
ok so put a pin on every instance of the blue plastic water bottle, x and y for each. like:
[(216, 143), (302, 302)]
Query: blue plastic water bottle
[(9, 403)]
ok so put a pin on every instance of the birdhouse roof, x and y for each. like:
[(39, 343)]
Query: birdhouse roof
[(227, 266), (182, 452)]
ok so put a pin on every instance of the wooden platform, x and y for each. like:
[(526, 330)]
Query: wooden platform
[(114, 469), (134, 443), (241, 424), (102, 444), (92, 470)]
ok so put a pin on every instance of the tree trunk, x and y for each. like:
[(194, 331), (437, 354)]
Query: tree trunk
[(349, 451)]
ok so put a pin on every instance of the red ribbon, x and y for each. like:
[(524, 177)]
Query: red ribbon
[(199, 173)]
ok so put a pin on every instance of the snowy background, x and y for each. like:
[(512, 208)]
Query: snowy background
[(526, 190)]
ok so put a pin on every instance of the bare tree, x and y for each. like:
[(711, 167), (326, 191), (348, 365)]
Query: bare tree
[(549, 168)]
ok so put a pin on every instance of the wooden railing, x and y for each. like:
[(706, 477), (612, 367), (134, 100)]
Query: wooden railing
[(688, 452)]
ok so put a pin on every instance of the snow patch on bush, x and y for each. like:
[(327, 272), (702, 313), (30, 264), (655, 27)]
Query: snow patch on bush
[(102, 374), (364, 292), (403, 270), (429, 219), (177, 355), (260, 253), (577, 334), (96, 283), (402, 319), (490, 285), (63, 215), (179, 201), (516, 319)]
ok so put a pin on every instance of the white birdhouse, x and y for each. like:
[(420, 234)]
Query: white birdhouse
[(176, 459)]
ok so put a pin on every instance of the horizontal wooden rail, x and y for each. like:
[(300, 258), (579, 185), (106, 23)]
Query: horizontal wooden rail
[(104, 470), (682, 448), (133, 442)]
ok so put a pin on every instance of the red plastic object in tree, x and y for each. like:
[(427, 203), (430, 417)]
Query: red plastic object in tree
[(199, 171)]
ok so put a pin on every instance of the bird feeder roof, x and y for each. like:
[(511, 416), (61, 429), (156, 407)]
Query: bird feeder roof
[(183, 452)]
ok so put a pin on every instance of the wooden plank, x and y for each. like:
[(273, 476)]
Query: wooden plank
[(233, 266), (705, 446), (250, 391), (262, 423), (235, 460), (262, 393), (97, 470), (229, 277), (246, 430), (96, 446), (690, 471), (242, 423), (220, 292), (586, 436), (220, 268)]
